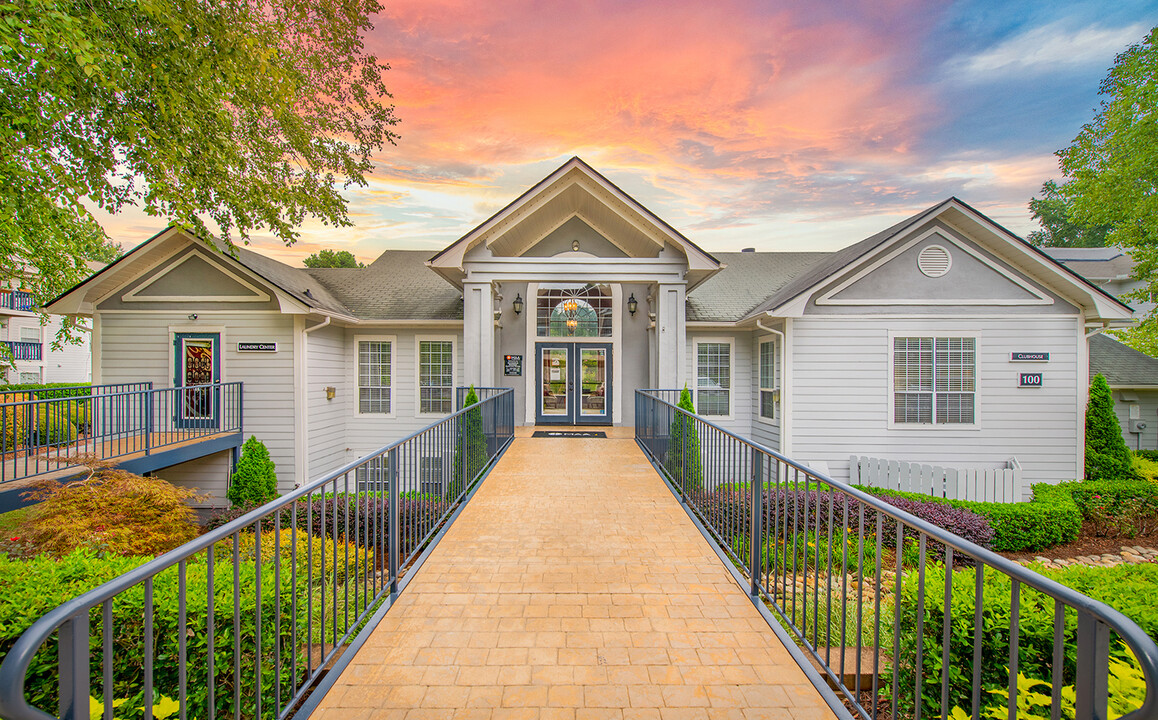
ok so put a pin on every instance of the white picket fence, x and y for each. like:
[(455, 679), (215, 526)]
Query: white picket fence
[(982, 484)]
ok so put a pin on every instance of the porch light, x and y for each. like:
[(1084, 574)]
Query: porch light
[(632, 304), (518, 303)]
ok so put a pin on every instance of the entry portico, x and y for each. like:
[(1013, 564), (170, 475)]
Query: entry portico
[(575, 249)]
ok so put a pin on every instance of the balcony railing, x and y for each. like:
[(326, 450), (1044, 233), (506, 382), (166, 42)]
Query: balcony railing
[(43, 432), (16, 300), (902, 618), (24, 350), (245, 620)]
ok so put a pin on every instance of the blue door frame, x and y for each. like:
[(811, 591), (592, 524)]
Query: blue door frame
[(198, 407), (570, 400)]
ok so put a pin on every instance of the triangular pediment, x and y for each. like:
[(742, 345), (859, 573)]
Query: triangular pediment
[(935, 268), (575, 197), (191, 276)]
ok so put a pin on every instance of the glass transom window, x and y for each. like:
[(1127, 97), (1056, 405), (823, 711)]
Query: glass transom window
[(564, 310), (435, 376), (374, 376), (934, 380)]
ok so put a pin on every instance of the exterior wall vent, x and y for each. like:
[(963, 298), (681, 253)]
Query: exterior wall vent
[(751, 250), (934, 261)]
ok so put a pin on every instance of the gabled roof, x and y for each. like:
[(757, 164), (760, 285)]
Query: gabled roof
[(1104, 263), (748, 279), (575, 188), (1097, 301), (396, 286), (1122, 365)]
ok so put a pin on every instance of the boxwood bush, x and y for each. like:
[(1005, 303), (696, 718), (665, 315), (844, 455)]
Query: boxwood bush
[(1050, 518), (1127, 588), (1116, 507)]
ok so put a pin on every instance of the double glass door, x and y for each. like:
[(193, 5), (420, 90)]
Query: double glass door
[(574, 383)]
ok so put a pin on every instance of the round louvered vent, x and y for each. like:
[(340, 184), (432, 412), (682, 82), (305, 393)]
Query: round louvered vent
[(934, 261)]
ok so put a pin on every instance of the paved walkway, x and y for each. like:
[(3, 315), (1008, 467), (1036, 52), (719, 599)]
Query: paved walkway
[(573, 586)]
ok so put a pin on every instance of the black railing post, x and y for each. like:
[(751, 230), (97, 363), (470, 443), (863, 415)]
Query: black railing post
[(1093, 670), (149, 399), (73, 662), (392, 520), (757, 542)]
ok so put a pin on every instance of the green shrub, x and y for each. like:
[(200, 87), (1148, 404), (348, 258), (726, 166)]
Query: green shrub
[(112, 510), (53, 425), (1145, 466), (1116, 507), (1107, 457), (14, 419), (40, 584), (1050, 518), (470, 424), (255, 480), (1127, 588), (683, 457), (1151, 455)]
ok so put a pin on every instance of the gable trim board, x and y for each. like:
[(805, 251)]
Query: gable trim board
[(256, 295), (829, 297)]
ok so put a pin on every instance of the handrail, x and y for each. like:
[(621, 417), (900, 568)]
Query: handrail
[(110, 421), (1140, 643), (495, 418)]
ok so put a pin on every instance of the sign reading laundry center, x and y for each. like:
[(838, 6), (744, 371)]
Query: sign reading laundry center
[(257, 347), (1029, 357)]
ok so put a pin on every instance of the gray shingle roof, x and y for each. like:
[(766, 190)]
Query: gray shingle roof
[(1123, 366), (748, 279), (396, 286), (294, 281)]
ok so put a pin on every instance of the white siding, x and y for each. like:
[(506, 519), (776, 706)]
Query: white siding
[(842, 401), (366, 433), (327, 418), (139, 346), (1147, 402), (70, 364)]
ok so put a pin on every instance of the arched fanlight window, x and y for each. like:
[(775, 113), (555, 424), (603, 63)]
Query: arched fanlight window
[(574, 311)]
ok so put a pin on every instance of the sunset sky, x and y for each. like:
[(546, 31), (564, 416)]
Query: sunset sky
[(775, 125)]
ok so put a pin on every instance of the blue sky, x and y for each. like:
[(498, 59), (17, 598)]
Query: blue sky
[(775, 125)]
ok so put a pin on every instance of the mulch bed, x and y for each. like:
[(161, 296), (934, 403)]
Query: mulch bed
[(1087, 545)]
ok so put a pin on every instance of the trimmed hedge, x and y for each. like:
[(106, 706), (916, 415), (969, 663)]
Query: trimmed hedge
[(1116, 507), (1050, 518)]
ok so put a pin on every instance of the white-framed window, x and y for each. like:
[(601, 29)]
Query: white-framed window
[(714, 377), (375, 361), (770, 379), (30, 334), (30, 378), (435, 376), (935, 380)]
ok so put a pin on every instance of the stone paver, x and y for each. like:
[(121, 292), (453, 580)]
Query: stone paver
[(574, 587)]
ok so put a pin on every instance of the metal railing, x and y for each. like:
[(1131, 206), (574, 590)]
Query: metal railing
[(24, 350), (482, 392), (901, 617), (243, 621), (16, 300), (41, 434)]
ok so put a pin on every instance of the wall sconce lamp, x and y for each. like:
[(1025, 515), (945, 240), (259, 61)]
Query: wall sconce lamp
[(192, 316), (331, 391), (518, 303), (632, 304)]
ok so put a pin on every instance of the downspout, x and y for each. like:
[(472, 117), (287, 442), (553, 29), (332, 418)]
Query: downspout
[(302, 414), (783, 388)]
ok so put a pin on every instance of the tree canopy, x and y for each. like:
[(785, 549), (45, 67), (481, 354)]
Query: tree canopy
[(1058, 228), (332, 259), (222, 116)]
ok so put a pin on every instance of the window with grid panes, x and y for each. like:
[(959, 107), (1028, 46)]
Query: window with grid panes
[(435, 376), (934, 380), (769, 379), (713, 378), (374, 376)]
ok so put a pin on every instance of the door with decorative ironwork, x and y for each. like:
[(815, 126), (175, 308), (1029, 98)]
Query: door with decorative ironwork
[(197, 366)]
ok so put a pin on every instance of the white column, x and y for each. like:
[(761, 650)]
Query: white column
[(670, 335), (478, 334)]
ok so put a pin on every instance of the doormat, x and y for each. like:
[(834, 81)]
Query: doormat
[(569, 434)]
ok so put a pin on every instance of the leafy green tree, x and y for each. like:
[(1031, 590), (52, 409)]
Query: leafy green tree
[(1107, 457), (1112, 165), (255, 480), (470, 428), (332, 259), (238, 116), (683, 456), (1058, 229), (1143, 337)]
